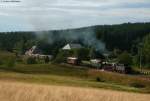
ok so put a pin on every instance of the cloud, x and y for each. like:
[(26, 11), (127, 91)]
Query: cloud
[(60, 14)]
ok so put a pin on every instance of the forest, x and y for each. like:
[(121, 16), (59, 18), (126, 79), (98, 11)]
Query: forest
[(132, 38)]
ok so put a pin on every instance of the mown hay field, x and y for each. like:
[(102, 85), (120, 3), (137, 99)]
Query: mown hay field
[(15, 91)]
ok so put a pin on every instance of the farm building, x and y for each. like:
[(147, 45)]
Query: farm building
[(73, 60), (33, 51), (72, 46), (37, 53)]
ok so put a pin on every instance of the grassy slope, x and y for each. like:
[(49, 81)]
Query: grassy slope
[(70, 76)]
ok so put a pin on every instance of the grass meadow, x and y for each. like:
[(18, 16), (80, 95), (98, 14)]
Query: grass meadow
[(65, 75)]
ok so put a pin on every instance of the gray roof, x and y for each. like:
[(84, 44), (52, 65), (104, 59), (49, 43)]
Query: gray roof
[(72, 46)]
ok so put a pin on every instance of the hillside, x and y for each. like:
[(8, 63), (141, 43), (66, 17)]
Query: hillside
[(123, 36)]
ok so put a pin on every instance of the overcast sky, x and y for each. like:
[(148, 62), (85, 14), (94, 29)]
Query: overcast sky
[(63, 14)]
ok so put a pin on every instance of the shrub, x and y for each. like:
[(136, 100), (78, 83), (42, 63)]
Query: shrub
[(125, 58), (98, 79), (46, 59), (30, 60), (10, 62), (60, 58)]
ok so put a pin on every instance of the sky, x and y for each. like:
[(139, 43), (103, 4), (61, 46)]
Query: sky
[(34, 15)]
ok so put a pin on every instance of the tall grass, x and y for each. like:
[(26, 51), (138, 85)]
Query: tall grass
[(75, 76), (128, 80), (33, 92)]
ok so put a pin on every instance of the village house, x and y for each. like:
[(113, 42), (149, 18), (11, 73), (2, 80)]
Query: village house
[(36, 53), (72, 60), (71, 46)]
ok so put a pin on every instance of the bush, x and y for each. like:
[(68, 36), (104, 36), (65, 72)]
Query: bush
[(10, 62), (125, 58), (30, 60), (60, 58), (137, 85), (46, 59), (98, 79)]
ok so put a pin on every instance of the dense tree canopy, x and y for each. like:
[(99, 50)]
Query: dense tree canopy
[(125, 58), (146, 50), (123, 37)]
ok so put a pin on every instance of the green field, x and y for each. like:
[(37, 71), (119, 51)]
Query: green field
[(53, 74)]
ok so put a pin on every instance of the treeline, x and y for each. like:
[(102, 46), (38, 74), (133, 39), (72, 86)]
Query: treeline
[(124, 36), (8, 40)]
